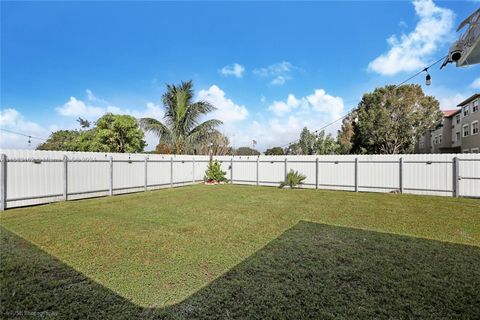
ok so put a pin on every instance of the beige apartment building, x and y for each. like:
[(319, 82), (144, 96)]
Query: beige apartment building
[(458, 131)]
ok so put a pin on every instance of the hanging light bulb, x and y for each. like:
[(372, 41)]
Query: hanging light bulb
[(428, 79), (29, 140)]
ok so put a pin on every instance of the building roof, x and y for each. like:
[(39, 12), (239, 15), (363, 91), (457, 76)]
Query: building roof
[(473, 97), (450, 113)]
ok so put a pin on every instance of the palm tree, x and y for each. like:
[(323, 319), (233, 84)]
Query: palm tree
[(181, 130)]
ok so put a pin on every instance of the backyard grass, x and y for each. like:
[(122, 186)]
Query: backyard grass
[(243, 252)]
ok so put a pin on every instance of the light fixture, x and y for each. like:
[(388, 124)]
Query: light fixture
[(428, 78)]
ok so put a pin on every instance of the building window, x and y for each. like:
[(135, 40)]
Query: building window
[(474, 150), (465, 110), (475, 106), (440, 139), (457, 136), (465, 130), (457, 117), (474, 127)]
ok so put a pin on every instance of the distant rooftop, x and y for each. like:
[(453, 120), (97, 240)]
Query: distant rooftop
[(473, 97), (451, 112)]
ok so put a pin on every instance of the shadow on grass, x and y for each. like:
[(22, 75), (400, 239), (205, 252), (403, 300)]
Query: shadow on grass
[(310, 271)]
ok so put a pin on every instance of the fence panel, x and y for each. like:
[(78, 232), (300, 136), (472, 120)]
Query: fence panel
[(336, 173), (88, 179), (424, 174), (245, 170), (305, 166), (469, 173), (378, 173), (30, 183), (271, 171)]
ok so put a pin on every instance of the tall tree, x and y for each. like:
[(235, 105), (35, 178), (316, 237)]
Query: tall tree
[(181, 130), (307, 142), (345, 134), (118, 133), (391, 119), (293, 149), (326, 144)]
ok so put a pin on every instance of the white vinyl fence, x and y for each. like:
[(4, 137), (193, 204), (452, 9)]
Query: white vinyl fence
[(35, 177)]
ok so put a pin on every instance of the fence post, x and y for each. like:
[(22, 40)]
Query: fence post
[(316, 173), (356, 174), (171, 172), (146, 174), (65, 178), (258, 161), (400, 172), (231, 170), (3, 183), (456, 177), (111, 177), (193, 170), (286, 167)]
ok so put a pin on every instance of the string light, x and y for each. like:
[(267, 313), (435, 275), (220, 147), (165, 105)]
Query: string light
[(428, 78), (22, 134)]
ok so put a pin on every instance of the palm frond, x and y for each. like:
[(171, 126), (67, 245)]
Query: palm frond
[(194, 111), (156, 127), (201, 133)]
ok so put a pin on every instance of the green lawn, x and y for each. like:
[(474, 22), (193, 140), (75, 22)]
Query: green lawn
[(243, 252)]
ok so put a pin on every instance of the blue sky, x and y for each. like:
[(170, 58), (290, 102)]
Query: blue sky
[(270, 67)]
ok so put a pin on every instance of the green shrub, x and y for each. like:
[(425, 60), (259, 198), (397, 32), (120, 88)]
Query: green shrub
[(293, 179), (214, 172)]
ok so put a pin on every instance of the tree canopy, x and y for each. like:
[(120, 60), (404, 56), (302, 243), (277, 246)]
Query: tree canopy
[(247, 151), (390, 120), (62, 140), (111, 133), (311, 143), (275, 151)]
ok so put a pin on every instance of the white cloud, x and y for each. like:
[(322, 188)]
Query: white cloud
[(279, 80), (227, 110), (11, 119), (451, 102), (235, 70), (96, 107), (290, 116), (280, 131), (278, 72), (77, 108), (475, 84), (90, 95), (411, 52), (281, 108), (319, 101)]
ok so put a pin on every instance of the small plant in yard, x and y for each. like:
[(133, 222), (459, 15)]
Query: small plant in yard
[(292, 179), (214, 173)]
